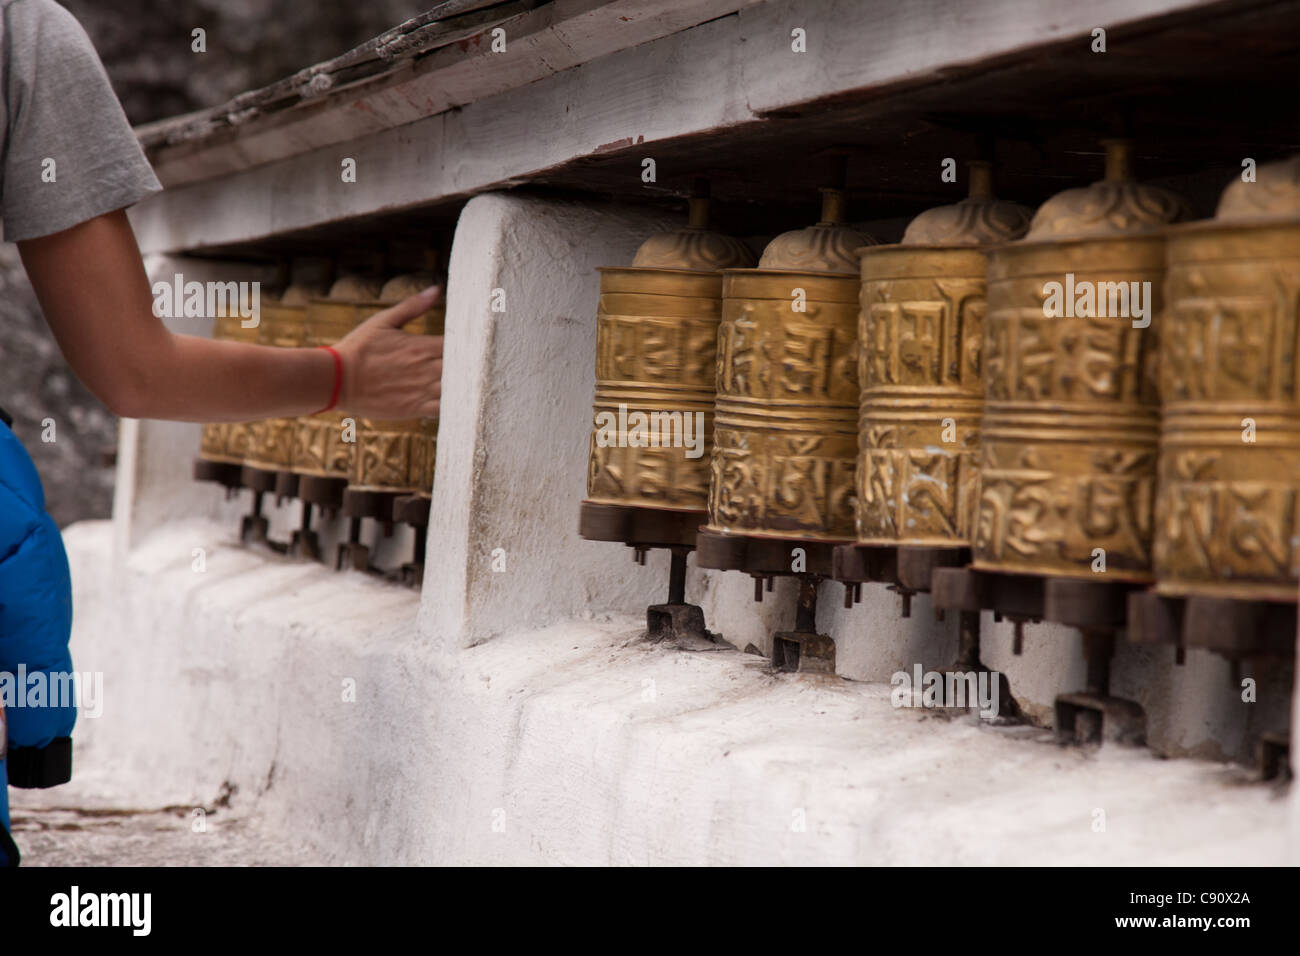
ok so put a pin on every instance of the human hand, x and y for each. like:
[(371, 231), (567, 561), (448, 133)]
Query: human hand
[(388, 373)]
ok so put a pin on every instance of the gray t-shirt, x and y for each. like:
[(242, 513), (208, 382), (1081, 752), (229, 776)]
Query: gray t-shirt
[(69, 154)]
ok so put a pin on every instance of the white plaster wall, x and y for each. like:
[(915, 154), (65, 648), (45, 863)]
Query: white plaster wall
[(516, 420), (233, 678), (154, 459), (573, 744)]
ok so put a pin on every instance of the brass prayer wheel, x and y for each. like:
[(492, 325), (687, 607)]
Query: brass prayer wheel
[(656, 356), (786, 425), (319, 449), (398, 455), (228, 442), (283, 324), (1226, 513), (1071, 409), (920, 335)]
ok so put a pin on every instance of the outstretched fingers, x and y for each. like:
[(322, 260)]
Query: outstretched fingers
[(398, 315)]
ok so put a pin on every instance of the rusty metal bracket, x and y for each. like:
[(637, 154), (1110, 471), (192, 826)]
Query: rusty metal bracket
[(793, 651), (1155, 619), (286, 485), (803, 650), (1094, 716), (1091, 719), (1234, 628), (305, 543), (860, 564), (323, 492), (414, 511), (352, 554), (768, 557), (226, 474), (1273, 756), (643, 529), (259, 479), (253, 526), (682, 624), (676, 620)]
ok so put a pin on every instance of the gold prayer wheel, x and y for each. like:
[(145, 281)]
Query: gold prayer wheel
[(1071, 411), (920, 334), (398, 455), (228, 442), (656, 355), (1226, 513), (786, 425), (319, 449), (283, 325)]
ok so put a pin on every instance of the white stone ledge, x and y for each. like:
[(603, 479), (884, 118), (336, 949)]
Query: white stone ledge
[(233, 677)]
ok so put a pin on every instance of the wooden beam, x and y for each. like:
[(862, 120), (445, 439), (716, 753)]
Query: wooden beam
[(733, 72)]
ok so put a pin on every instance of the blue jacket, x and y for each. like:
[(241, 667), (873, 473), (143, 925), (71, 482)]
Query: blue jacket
[(35, 624)]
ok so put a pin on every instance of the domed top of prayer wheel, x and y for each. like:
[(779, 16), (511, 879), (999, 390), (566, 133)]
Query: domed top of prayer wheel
[(1273, 196), (695, 247), (355, 288), (980, 219), (1117, 205), (828, 246)]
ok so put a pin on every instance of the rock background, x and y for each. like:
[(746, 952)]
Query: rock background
[(145, 45), (250, 43)]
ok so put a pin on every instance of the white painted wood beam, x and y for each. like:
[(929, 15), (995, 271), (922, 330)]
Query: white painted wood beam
[(727, 72)]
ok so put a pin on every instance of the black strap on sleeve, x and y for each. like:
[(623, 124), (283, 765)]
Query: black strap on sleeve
[(35, 768)]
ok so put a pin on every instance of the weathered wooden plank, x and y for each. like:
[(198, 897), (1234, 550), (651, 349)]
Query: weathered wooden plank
[(725, 73), (540, 43)]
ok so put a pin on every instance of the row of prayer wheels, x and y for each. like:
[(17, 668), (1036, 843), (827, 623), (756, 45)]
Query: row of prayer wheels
[(364, 467), (1100, 378)]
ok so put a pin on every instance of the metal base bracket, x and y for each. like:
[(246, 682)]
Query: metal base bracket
[(253, 529), (1234, 628), (681, 623), (259, 479), (353, 556), (765, 557), (1008, 712), (305, 544), (324, 493), (1091, 719), (227, 474), (803, 653), (643, 527), (1274, 756), (863, 564), (286, 485)]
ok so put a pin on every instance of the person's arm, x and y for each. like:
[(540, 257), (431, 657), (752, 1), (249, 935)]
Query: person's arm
[(96, 298)]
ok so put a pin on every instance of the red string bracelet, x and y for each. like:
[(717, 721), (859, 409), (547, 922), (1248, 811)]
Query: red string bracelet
[(338, 379)]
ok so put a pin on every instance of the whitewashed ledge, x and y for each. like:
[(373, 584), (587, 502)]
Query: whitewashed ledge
[(576, 744)]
